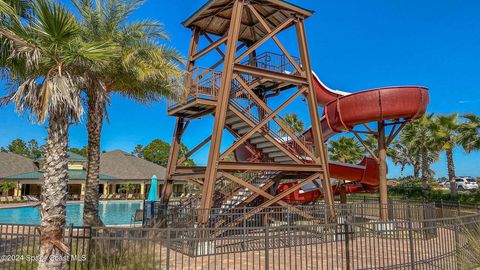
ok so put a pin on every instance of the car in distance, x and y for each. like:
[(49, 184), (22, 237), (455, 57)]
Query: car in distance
[(465, 183)]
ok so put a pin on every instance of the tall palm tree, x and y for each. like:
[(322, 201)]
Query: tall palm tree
[(44, 57), (292, 122), (22, 8), (402, 155), (445, 137), (417, 137), (346, 150), (144, 71), (469, 133)]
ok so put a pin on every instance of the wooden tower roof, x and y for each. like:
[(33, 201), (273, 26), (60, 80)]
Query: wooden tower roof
[(214, 17)]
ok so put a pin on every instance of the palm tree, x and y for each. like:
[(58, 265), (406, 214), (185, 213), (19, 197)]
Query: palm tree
[(469, 133), (445, 137), (417, 137), (5, 187), (144, 71), (293, 123), (44, 57), (346, 150), (402, 155), (128, 188)]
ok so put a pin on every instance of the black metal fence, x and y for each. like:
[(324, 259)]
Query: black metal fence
[(415, 237)]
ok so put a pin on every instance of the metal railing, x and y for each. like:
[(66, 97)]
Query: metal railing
[(427, 243), (204, 82), (273, 62), (200, 83)]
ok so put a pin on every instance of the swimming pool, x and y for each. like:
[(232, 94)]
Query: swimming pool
[(111, 213)]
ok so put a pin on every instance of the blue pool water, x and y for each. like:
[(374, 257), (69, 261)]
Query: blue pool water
[(111, 213)]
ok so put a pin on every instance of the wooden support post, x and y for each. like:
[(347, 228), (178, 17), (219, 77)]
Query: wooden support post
[(172, 161), (314, 117), (343, 193), (382, 162), (222, 105)]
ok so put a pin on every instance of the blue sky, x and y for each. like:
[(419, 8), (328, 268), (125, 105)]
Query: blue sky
[(354, 45)]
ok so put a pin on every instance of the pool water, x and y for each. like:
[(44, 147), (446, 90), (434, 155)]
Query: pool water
[(111, 213)]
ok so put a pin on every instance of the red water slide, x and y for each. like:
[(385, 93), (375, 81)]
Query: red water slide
[(343, 111)]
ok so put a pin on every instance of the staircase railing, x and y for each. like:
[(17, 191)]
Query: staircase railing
[(272, 128)]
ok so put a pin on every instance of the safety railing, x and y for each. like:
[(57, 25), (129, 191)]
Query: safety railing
[(200, 83), (273, 62), (349, 243)]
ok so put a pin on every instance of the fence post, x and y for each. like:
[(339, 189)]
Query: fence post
[(69, 243), (267, 247), (347, 245), (89, 245), (457, 244), (410, 238), (167, 261), (441, 207)]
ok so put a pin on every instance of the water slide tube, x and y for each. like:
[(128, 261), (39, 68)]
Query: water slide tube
[(343, 111)]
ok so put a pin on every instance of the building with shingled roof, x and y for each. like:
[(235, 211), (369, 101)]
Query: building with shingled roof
[(116, 168)]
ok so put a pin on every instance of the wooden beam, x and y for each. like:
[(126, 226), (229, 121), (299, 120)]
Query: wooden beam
[(264, 106), (317, 134), (270, 34), (210, 40), (382, 171), (210, 47), (260, 72), (266, 195), (274, 200), (249, 166), (195, 149), (277, 41), (374, 156), (393, 135), (172, 160), (221, 111), (260, 125), (267, 136)]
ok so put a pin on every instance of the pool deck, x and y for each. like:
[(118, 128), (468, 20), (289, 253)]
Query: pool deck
[(16, 205)]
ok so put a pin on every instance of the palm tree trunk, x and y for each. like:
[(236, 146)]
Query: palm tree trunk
[(94, 128), (425, 170), (416, 169), (54, 196), (451, 173)]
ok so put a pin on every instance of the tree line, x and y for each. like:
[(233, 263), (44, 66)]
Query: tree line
[(157, 151), (420, 144)]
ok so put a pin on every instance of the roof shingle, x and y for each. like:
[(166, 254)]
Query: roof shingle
[(13, 164), (128, 167)]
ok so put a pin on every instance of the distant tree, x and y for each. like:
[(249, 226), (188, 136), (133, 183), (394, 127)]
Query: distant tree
[(469, 133), (138, 151), (293, 123), (128, 188), (403, 156), (18, 146), (5, 187), (158, 151), (80, 151), (417, 136), (34, 149), (346, 150), (445, 130)]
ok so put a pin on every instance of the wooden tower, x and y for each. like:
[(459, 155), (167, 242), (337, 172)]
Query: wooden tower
[(236, 90)]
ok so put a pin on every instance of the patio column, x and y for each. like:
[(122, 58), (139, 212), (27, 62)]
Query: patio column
[(142, 189), (18, 190), (105, 189), (82, 190)]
